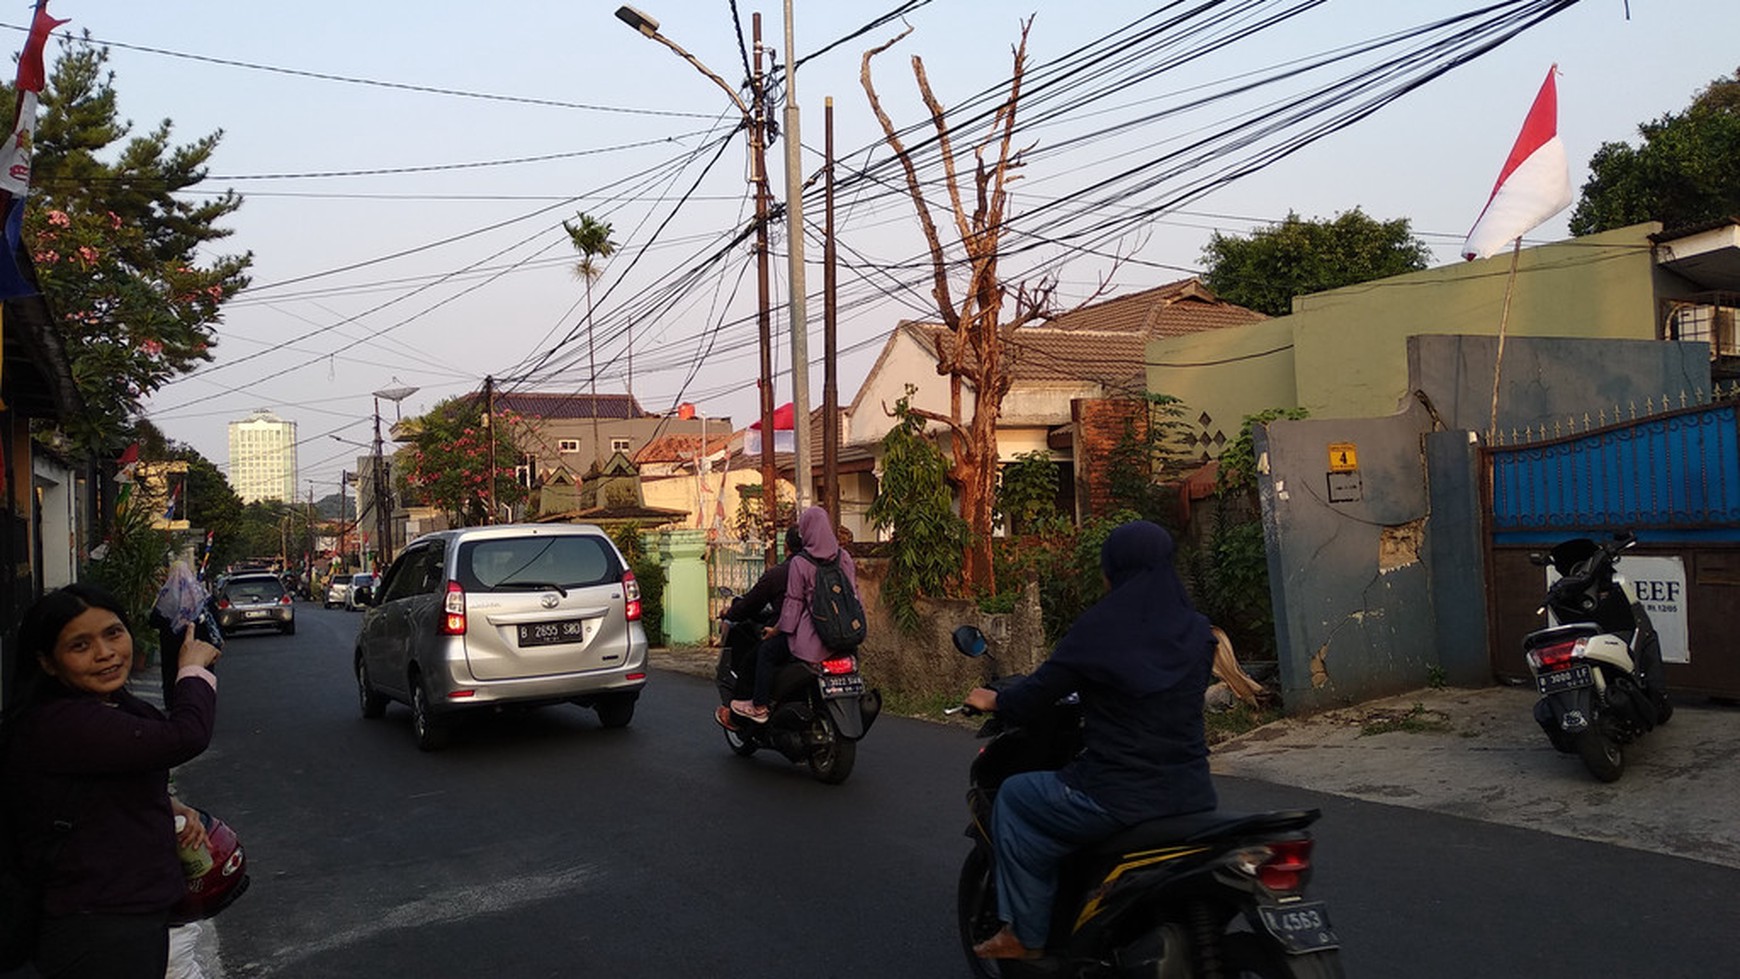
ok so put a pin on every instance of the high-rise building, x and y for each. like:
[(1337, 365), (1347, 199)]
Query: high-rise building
[(263, 457)]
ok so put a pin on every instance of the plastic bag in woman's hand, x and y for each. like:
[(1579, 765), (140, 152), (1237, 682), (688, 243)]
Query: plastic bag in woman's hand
[(181, 599)]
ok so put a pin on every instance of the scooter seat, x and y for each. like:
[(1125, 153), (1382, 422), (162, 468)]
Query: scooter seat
[(1203, 827)]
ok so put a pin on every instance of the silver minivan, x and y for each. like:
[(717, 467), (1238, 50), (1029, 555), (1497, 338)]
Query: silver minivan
[(482, 617)]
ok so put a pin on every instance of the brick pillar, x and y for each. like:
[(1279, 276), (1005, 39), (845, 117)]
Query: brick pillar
[(1099, 425)]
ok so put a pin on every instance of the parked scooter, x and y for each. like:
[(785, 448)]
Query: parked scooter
[(819, 711), (1200, 896), (1598, 668)]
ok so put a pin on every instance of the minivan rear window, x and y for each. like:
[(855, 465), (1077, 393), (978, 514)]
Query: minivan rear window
[(519, 563), (254, 590)]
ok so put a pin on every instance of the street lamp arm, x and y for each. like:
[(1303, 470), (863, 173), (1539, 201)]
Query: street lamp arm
[(650, 28)]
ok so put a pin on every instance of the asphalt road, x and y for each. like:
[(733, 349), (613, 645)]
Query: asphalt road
[(539, 844)]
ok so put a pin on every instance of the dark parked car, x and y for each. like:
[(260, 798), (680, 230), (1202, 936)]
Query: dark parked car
[(248, 601), (524, 614)]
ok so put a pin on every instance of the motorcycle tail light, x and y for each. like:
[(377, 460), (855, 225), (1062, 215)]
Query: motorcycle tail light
[(1554, 657), (453, 611), (840, 664), (1288, 863), (631, 592)]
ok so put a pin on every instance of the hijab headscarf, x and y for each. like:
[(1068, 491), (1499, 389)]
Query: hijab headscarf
[(1144, 635), (817, 530)]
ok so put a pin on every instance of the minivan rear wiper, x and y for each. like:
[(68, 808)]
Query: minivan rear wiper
[(534, 586)]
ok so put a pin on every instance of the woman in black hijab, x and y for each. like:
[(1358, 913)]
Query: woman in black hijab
[(1139, 658)]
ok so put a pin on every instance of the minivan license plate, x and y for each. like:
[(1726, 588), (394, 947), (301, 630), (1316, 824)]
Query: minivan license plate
[(551, 633), (1575, 678)]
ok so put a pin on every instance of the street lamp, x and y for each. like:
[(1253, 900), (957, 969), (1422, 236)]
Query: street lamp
[(384, 541), (752, 121)]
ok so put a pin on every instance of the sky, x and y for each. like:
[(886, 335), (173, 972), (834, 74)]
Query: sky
[(385, 257)]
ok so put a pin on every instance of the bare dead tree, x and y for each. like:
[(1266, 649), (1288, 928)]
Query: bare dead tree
[(973, 351)]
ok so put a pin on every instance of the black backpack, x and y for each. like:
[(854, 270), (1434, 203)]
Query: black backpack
[(834, 607)]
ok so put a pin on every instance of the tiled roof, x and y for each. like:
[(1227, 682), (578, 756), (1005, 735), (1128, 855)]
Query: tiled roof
[(679, 448), (1044, 355), (540, 404), (1174, 309), (1106, 343)]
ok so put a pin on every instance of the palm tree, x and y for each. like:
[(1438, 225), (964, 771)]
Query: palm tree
[(591, 238)]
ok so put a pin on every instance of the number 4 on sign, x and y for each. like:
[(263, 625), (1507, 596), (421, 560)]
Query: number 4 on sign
[(1343, 457)]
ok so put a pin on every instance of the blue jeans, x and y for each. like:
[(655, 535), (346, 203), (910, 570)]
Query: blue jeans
[(1036, 822)]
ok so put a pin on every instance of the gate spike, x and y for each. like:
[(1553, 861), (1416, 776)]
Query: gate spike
[(1682, 397), (1585, 421), (1634, 411), (1513, 436), (1649, 405), (1557, 431), (1602, 416), (1698, 396)]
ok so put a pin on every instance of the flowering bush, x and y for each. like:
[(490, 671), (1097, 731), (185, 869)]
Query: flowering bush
[(448, 464)]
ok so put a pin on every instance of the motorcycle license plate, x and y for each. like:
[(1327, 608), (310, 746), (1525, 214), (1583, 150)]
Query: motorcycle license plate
[(845, 685), (1575, 678), (1301, 927)]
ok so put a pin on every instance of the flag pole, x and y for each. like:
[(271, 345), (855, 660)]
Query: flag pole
[(1503, 319)]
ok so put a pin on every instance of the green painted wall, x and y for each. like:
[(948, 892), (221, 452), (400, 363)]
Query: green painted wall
[(1226, 374), (1344, 353)]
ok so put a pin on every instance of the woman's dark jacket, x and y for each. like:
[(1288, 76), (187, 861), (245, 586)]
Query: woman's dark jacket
[(104, 765), (1140, 659)]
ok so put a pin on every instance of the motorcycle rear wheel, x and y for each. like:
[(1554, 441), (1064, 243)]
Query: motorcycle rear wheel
[(1247, 954), (832, 758), (1602, 755), (740, 745)]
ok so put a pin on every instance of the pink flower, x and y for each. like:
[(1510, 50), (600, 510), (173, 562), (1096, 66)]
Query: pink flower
[(47, 257), (114, 220), (151, 348), (88, 254), (59, 219)]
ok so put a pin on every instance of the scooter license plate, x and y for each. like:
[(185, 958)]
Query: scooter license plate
[(1575, 678), (845, 685), (1301, 927)]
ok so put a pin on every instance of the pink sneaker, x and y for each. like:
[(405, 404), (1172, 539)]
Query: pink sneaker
[(746, 709)]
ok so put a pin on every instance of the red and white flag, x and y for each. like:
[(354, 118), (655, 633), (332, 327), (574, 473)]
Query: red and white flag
[(1534, 185), (784, 432)]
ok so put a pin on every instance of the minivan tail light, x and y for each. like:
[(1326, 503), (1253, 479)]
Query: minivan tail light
[(287, 599), (631, 592), (453, 611)]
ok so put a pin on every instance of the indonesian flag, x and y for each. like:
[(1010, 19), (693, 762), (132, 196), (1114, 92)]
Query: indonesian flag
[(1534, 185), (15, 155), (784, 435)]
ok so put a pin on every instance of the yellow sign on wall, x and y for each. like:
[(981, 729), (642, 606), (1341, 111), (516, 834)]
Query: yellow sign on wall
[(1343, 457)]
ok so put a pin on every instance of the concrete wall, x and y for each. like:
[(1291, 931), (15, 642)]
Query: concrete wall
[(1378, 593), (1351, 592)]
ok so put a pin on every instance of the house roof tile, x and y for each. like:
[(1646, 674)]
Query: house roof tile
[(542, 404)]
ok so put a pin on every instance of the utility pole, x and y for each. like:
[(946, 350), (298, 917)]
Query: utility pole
[(764, 320), (799, 299), (380, 494), (489, 426), (830, 313)]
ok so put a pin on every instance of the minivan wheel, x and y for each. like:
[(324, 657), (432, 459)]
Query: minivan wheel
[(373, 704), (431, 735), (615, 711)]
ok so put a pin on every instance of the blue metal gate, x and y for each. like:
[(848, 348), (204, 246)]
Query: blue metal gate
[(1673, 476)]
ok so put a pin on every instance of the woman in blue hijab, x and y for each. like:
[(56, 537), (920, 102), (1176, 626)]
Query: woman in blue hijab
[(1139, 659)]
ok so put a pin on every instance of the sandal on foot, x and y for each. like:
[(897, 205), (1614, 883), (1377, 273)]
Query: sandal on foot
[(723, 716), (1004, 945)]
